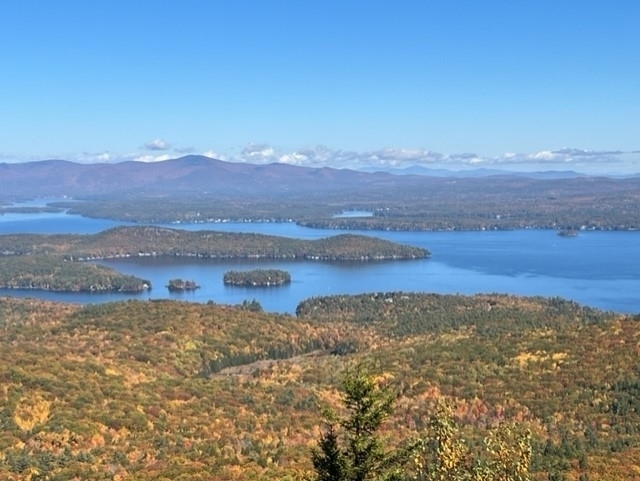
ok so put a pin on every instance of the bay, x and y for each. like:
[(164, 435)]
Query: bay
[(599, 269)]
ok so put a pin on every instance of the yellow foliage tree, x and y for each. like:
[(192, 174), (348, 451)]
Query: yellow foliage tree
[(443, 455)]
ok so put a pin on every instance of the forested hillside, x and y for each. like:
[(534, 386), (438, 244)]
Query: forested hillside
[(55, 273), (161, 241), (170, 390)]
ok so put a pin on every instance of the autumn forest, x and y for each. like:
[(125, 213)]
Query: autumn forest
[(171, 390)]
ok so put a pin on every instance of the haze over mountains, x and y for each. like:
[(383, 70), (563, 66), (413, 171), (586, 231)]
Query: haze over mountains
[(184, 175), (204, 175), (481, 172)]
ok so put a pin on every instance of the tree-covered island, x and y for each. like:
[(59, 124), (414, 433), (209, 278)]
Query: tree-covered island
[(55, 273), (257, 278), (179, 285), (140, 241), (64, 262)]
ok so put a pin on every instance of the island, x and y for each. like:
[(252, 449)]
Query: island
[(568, 233), (179, 285), (56, 273), (68, 262), (153, 241), (257, 278)]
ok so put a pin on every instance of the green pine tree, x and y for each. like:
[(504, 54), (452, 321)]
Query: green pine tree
[(351, 449)]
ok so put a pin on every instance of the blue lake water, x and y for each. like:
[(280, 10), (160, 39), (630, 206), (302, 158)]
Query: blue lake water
[(600, 269)]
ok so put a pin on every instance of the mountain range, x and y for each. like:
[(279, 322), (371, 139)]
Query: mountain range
[(195, 175), (187, 174), (480, 172)]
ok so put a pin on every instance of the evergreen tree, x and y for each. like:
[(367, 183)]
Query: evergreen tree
[(329, 461), (351, 449)]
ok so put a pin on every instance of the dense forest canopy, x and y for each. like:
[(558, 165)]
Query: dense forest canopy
[(161, 241), (257, 278), (182, 285), (173, 390), (55, 273)]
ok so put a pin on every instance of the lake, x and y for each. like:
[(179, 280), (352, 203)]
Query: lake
[(599, 269)]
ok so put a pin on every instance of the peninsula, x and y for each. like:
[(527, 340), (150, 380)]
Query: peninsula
[(155, 241)]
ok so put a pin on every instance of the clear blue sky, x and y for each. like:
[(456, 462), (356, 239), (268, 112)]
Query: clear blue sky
[(418, 81)]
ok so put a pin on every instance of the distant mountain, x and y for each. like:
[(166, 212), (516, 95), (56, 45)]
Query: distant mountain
[(188, 175), (473, 173), (189, 187), (198, 176)]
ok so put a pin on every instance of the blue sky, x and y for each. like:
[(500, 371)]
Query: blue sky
[(455, 84)]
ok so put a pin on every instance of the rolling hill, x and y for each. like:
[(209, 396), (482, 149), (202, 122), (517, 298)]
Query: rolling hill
[(168, 390)]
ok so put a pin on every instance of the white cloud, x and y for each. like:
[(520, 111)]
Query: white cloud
[(380, 159), (151, 158), (258, 154), (569, 156), (398, 158), (95, 158), (295, 158), (157, 144), (475, 161), (321, 156), (214, 155)]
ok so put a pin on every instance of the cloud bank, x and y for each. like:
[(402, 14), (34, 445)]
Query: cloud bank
[(581, 160), (399, 158)]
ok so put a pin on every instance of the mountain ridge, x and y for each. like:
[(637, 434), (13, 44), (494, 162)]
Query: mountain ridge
[(55, 177), (192, 188)]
